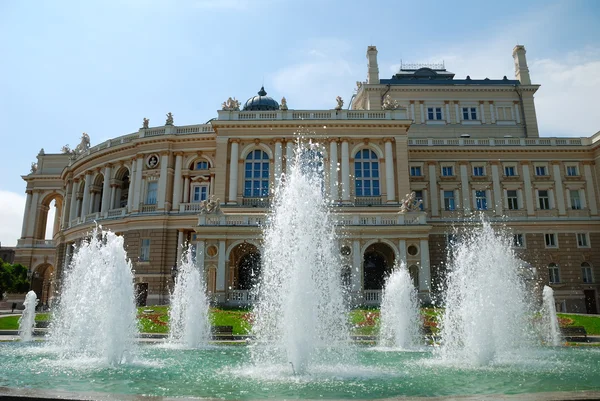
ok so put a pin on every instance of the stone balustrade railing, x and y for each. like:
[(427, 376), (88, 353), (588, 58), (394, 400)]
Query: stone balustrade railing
[(399, 114), (499, 142)]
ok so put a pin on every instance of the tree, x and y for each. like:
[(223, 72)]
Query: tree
[(13, 278)]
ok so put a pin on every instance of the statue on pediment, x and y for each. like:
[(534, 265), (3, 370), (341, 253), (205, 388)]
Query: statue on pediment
[(169, 119), (66, 150), (231, 104), (410, 203), (210, 206), (340, 103), (389, 103), (34, 168), (146, 123), (83, 146), (283, 105)]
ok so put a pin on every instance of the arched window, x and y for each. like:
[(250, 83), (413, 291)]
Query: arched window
[(553, 273), (200, 165), (586, 273), (366, 173), (256, 174)]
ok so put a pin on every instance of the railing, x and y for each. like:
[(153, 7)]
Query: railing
[(38, 243), (231, 220), (399, 114), (92, 217), (193, 207), (386, 219), (372, 297), (256, 202), (241, 297), (117, 212), (499, 142), (148, 209), (367, 200)]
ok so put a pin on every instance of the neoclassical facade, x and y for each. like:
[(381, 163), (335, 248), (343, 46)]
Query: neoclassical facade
[(461, 145)]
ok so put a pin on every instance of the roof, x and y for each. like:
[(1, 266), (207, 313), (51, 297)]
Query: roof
[(429, 76)]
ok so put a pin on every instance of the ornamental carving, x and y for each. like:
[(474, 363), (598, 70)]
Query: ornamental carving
[(146, 123), (283, 105), (410, 203), (34, 167), (340, 103), (169, 119), (389, 103), (152, 161), (210, 206), (231, 104)]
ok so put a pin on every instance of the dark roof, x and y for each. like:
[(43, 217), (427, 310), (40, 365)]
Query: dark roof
[(261, 102), (428, 76)]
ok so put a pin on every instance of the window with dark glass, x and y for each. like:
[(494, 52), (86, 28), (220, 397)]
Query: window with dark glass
[(256, 174), (513, 199), (366, 173)]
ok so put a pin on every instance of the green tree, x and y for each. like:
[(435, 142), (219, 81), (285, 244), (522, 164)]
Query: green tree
[(13, 278)]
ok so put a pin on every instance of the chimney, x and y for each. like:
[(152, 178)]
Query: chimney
[(521, 70), (373, 68)]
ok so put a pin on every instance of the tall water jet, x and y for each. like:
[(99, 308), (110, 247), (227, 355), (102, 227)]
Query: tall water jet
[(188, 315), (399, 318), (550, 326), (27, 319), (487, 313), (96, 315), (300, 305)]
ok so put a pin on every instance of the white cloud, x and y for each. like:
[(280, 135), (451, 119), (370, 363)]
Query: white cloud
[(12, 206)]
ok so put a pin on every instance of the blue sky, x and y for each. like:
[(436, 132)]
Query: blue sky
[(101, 66)]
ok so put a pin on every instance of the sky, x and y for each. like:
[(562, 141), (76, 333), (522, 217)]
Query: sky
[(100, 67)]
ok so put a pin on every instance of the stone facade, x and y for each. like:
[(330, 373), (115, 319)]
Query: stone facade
[(462, 145)]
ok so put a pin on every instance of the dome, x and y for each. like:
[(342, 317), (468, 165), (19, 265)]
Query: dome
[(261, 102)]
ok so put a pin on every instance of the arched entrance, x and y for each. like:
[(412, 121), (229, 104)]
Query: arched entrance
[(41, 283), (245, 263), (377, 264)]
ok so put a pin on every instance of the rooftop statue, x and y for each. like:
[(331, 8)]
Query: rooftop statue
[(340, 103), (41, 152), (283, 105), (146, 123), (231, 104), (169, 119), (83, 146), (66, 149), (34, 167), (210, 206), (389, 103), (410, 203)]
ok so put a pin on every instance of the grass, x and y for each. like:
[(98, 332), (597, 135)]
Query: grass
[(12, 322), (590, 322)]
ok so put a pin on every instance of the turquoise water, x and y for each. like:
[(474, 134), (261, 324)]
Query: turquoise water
[(226, 372)]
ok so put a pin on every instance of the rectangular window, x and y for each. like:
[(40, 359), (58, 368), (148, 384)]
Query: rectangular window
[(419, 197), (586, 273), (469, 113), (447, 171), (543, 199), (434, 113), (449, 200), (553, 273), (513, 199), (510, 171), (572, 171), (575, 199), (481, 200), (478, 171), (151, 193), (550, 240), (518, 241), (145, 250), (504, 113), (200, 193), (540, 170), (582, 240), (415, 171)]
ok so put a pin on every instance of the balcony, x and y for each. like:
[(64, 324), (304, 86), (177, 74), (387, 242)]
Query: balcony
[(116, 212), (372, 297), (256, 202), (367, 200), (241, 297), (147, 208), (37, 243), (399, 114)]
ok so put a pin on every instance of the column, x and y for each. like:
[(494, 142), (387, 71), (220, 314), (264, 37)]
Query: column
[(345, 171), (68, 253), (199, 256), (289, 156), (131, 190), (66, 209), (85, 204), (162, 181), (447, 111), (412, 110), (186, 189), (105, 207), (113, 197), (464, 187), (389, 171), (137, 190), (560, 192), (482, 111), (433, 190), (492, 113), (497, 189), (402, 170), (356, 267), (424, 270), (177, 182), (233, 170), (26, 214), (73, 206), (33, 213), (278, 161), (527, 189), (457, 112), (402, 251), (517, 112), (221, 267), (180, 236), (56, 226), (589, 187), (334, 193), (422, 109)]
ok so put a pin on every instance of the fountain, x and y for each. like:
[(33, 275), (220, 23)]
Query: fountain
[(300, 307), (550, 326), (27, 319), (399, 318), (188, 315), (488, 315), (96, 315)]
